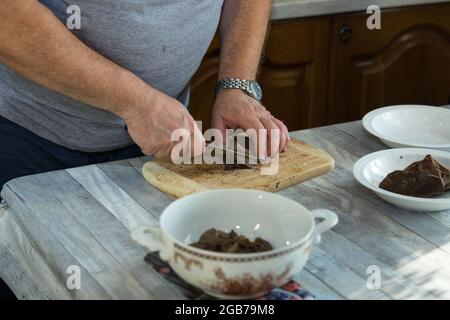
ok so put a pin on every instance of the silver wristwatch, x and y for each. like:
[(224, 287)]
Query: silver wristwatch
[(250, 87)]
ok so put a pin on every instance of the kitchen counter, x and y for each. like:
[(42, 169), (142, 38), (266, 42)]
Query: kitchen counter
[(285, 9), (82, 217)]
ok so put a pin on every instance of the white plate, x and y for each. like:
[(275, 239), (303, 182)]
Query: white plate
[(410, 126), (373, 168)]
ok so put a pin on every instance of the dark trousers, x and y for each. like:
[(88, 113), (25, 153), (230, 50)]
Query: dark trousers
[(24, 153)]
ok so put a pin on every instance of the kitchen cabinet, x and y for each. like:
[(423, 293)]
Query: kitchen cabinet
[(330, 69), (406, 61)]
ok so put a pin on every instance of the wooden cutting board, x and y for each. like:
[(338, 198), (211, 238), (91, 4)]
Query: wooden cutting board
[(301, 162)]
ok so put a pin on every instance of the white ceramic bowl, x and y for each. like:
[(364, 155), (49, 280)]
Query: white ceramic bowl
[(373, 168), (287, 225), (410, 126)]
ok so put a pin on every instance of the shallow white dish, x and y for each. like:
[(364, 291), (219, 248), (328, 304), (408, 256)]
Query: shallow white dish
[(410, 126), (373, 168), (286, 224)]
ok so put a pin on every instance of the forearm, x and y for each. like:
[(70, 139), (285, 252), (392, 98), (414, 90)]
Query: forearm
[(242, 30), (37, 45)]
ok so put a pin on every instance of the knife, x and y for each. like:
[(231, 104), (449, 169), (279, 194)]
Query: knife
[(235, 152)]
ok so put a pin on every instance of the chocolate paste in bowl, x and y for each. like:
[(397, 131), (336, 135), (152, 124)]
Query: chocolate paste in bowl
[(231, 242)]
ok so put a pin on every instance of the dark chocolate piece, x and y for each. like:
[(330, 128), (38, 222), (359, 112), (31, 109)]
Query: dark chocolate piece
[(425, 179), (219, 241), (236, 166), (239, 153)]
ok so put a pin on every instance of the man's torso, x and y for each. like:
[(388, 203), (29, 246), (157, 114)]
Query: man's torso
[(161, 41)]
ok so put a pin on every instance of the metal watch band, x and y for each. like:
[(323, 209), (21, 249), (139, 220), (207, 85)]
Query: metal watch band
[(232, 83)]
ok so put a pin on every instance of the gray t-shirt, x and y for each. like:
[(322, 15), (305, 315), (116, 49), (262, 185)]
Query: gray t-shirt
[(161, 41)]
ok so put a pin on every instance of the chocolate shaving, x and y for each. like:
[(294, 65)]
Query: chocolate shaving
[(219, 241), (425, 179)]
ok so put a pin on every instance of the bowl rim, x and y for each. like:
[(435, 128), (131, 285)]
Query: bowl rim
[(240, 256), (369, 117), (364, 161)]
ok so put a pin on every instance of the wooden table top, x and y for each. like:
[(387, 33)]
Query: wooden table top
[(83, 217)]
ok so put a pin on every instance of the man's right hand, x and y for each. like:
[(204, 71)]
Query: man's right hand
[(151, 125)]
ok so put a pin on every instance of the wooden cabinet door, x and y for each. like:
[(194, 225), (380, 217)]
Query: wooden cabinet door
[(293, 74), (406, 62)]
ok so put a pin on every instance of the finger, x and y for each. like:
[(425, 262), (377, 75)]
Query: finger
[(284, 134), (285, 138), (258, 136), (274, 134), (164, 151), (148, 151)]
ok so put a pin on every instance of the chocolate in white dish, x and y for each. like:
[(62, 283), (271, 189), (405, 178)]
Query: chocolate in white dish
[(426, 178)]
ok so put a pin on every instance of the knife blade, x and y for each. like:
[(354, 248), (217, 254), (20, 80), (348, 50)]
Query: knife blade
[(235, 152)]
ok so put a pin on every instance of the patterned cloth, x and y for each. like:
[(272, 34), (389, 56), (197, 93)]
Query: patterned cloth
[(291, 291)]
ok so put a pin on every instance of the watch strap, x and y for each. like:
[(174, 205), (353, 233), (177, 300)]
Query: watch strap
[(232, 83)]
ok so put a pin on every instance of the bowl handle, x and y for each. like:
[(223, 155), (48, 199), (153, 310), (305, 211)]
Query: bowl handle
[(330, 219), (150, 237)]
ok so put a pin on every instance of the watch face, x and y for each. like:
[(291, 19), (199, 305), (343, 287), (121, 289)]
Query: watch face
[(256, 90)]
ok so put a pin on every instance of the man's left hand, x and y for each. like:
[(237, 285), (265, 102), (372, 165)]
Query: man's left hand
[(234, 109)]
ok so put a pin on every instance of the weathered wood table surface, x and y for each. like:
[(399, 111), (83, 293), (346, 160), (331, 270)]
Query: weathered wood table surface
[(83, 217)]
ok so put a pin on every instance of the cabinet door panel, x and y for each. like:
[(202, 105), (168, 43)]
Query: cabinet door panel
[(287, 94), (407, 61)]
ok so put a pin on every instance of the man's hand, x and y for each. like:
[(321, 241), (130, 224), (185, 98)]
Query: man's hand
[(242, 30), (235, 109), (152, 124)]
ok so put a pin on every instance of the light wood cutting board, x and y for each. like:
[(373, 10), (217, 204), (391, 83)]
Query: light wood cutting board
[(301, 162)]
